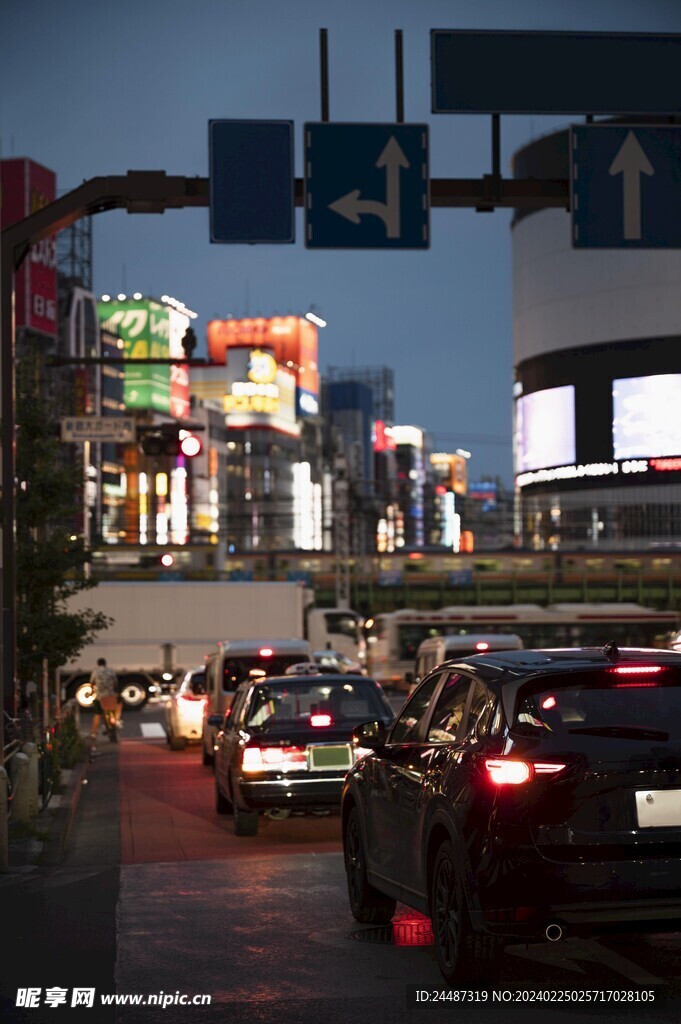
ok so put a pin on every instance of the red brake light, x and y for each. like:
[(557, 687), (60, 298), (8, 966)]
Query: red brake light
[(320, 720), (266, 652), (638, 686), (548, 703), (252, 760), (509, 773), (636, 670), (283, 759), (504, 772)]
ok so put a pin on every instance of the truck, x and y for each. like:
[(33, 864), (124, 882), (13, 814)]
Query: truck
[(161, 629)]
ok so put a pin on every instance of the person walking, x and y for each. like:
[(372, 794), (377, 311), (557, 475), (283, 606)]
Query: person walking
[(104, 682)]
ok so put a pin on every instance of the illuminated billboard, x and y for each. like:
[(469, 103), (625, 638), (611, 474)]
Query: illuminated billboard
[(646, 416), (259, 393), (25, 187), (293, 341), (144, 327), (451, 470), (545, 429), (178, 323)]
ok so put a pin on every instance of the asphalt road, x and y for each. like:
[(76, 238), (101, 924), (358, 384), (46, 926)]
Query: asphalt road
[(157, 897)]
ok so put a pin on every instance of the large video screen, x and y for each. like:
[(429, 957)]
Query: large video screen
[(646, 416), (545, 429)]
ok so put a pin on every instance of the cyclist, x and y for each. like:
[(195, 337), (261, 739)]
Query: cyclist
[(105, 684)]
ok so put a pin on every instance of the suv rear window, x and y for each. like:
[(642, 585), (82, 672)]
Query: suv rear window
[(608, 702)]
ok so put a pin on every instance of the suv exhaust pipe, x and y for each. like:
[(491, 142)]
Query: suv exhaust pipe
[(554, 932)]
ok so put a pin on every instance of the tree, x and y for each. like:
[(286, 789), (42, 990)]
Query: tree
[(51, 557)]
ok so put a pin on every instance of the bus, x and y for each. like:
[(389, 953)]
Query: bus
[(393, 638)]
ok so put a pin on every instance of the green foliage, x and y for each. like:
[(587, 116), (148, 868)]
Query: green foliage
[(68, 748), (51, 558)]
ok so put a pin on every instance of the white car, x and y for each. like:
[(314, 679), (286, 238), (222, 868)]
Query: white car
[(334, 661), (185, 710)]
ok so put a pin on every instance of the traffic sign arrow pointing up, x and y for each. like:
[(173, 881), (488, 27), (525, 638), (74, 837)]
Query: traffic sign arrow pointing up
[(631, 162), (351, 206)]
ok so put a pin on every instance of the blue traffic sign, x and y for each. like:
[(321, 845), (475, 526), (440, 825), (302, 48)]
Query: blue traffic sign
[(251, 181), (366, 186), (625, 187)]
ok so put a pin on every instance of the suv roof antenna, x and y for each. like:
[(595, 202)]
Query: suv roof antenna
[(612, 651)]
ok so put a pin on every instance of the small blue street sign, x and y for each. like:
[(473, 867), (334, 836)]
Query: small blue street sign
[(252, 181), (366, 186), (625, 184)]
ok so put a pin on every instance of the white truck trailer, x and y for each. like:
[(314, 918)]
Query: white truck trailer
[(163, 628)]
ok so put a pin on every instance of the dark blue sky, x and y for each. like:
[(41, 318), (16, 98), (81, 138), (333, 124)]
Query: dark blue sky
[(91, 88)]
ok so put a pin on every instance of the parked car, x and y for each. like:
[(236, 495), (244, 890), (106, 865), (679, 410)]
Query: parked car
[(286, 744), (520, 796), (185, 710), (334, 661)]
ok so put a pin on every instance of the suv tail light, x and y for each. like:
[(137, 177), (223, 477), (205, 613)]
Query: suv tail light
[(636, 670), (507, 772), (270, 759), (192, 696)]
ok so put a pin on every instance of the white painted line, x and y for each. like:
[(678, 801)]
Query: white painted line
[(152, 730)]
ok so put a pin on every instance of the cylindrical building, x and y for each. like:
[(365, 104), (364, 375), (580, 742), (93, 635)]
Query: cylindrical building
[(597, 338)]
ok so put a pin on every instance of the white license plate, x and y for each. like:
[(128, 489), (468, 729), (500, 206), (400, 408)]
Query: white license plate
[(658, 808), (330, 758)]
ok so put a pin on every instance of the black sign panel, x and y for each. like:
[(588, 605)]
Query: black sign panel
[(488, 72)]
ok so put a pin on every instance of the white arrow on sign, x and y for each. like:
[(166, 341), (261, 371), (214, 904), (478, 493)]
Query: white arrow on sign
[(631, 162), (351, 206)]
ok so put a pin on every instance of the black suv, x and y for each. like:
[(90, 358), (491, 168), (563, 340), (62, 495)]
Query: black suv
[(522, 796)]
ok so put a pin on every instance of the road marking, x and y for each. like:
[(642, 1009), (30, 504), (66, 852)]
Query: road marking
[(152, 730), (565, 955)]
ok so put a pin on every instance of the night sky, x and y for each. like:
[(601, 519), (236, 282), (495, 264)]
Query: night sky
[(89, 88)]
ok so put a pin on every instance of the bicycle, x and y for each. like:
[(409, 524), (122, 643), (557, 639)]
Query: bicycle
[(109, 718)]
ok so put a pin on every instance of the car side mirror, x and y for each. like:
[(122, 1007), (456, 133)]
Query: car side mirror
[(216, 720), (370, 735)]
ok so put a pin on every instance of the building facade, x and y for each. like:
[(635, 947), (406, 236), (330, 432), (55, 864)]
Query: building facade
[(598, 382)]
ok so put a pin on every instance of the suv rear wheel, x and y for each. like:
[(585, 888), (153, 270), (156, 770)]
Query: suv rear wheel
[(465, 957), (368, 905)]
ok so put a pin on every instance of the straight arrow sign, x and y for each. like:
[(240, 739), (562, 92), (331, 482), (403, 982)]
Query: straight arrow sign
[(631, 162), (625, 186)]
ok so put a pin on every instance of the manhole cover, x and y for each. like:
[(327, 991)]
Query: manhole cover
[(400, 933)]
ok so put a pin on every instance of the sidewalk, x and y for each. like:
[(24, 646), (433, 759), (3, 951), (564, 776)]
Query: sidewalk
[(42, 843)]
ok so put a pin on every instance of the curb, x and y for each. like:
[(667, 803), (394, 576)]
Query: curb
[(55, 844)]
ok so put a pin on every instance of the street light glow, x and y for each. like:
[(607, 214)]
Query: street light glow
[(463, 453), (313, 318)]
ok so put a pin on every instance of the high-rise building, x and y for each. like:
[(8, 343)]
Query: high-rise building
[(261, 406)]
